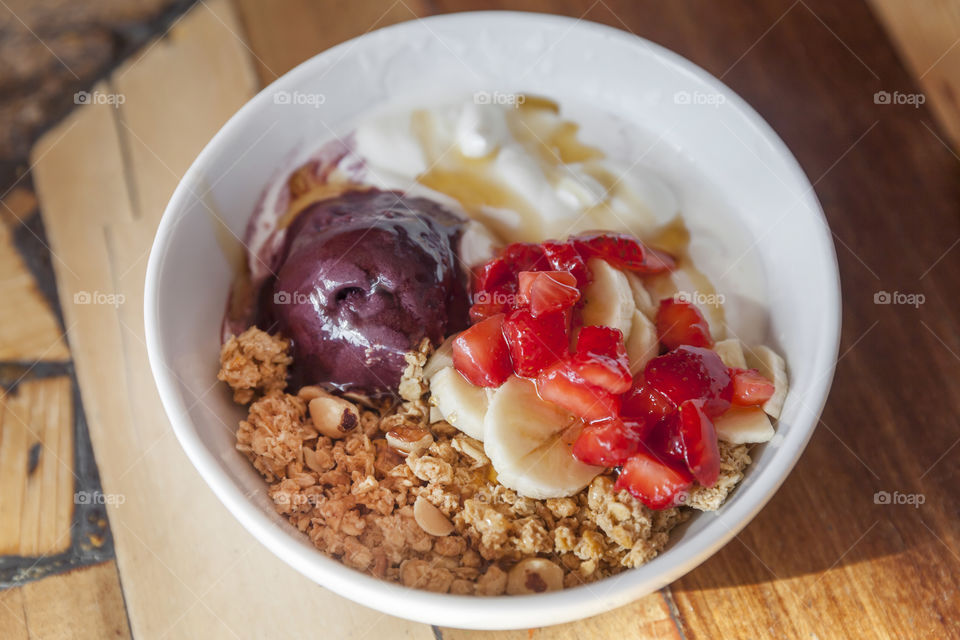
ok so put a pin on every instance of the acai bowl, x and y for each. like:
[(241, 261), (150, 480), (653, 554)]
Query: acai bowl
[(594, 146)]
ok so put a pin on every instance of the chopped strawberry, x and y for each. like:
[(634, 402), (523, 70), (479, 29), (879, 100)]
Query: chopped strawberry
[(524, 256), (480, 353), (561, 385), (655, 483), (601, 359), (607, 443), (624, 251), (482, 311), (643, 401), (680, 322), (499, 276), (601, 341), (563, 256), (491, 275), (750, 387), (664, 442), (691, 373), (547, 291), (700, 448), (535, 343)]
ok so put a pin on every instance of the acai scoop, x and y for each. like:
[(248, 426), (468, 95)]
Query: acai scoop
[(360, 280)]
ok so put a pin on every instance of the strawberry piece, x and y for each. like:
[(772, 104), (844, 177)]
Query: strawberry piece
[(524, 256), (691, 373), (547, 291), (563, 256), (699, 439), (655, 483), (607, 443), (491, 275), (750, 388), (601, 341), (601, 359), (480, 353), (624, 251), (561, 385), (535, 343), (643, 401), (664, 441), (495, 282), (680, 323), (482, 311)]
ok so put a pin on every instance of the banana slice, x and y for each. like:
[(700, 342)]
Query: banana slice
[(608, 299), (771, 365), (739, 425), (461, 403), (731, 352), (641, 297), (440, 358), (643, 343), (529, 441)]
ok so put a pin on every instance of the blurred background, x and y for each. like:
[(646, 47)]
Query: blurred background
[(106, 530)]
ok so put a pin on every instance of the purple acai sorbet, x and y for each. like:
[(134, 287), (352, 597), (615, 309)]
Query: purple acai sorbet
[(360, 280)]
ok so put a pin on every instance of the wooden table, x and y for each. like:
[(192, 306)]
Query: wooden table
[(827, 558)]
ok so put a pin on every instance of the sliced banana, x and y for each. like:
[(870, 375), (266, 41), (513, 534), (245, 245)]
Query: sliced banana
[(440, 358), (643, 343), (770, 365), (641, 297), (608, 299), (461, 403), (739, 425), (528, 441), (731, 352)]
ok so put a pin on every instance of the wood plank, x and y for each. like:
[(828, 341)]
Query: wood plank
[(648, 618), (84, 603), (927, 35), (282, 35), (13, 622), (28, 329), (223, 583), (36, 468)]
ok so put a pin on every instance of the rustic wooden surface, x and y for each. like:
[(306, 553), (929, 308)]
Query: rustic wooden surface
[(826, 558)]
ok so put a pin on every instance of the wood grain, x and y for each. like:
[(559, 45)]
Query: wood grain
[(36, 468), (282, 36), (824, 559), (83, 604), (173, 537), (30, 330), (927, 35)]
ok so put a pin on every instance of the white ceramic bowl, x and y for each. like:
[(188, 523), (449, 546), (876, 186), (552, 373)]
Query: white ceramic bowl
[(735, 179)]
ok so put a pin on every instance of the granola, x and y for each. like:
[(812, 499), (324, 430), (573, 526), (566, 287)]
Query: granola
[(370, 504), (254, 362)]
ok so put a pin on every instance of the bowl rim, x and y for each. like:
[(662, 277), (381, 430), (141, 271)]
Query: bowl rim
[(474, 611)]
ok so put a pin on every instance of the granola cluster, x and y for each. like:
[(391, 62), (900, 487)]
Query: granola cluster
[(254, 362), (419, 504)]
